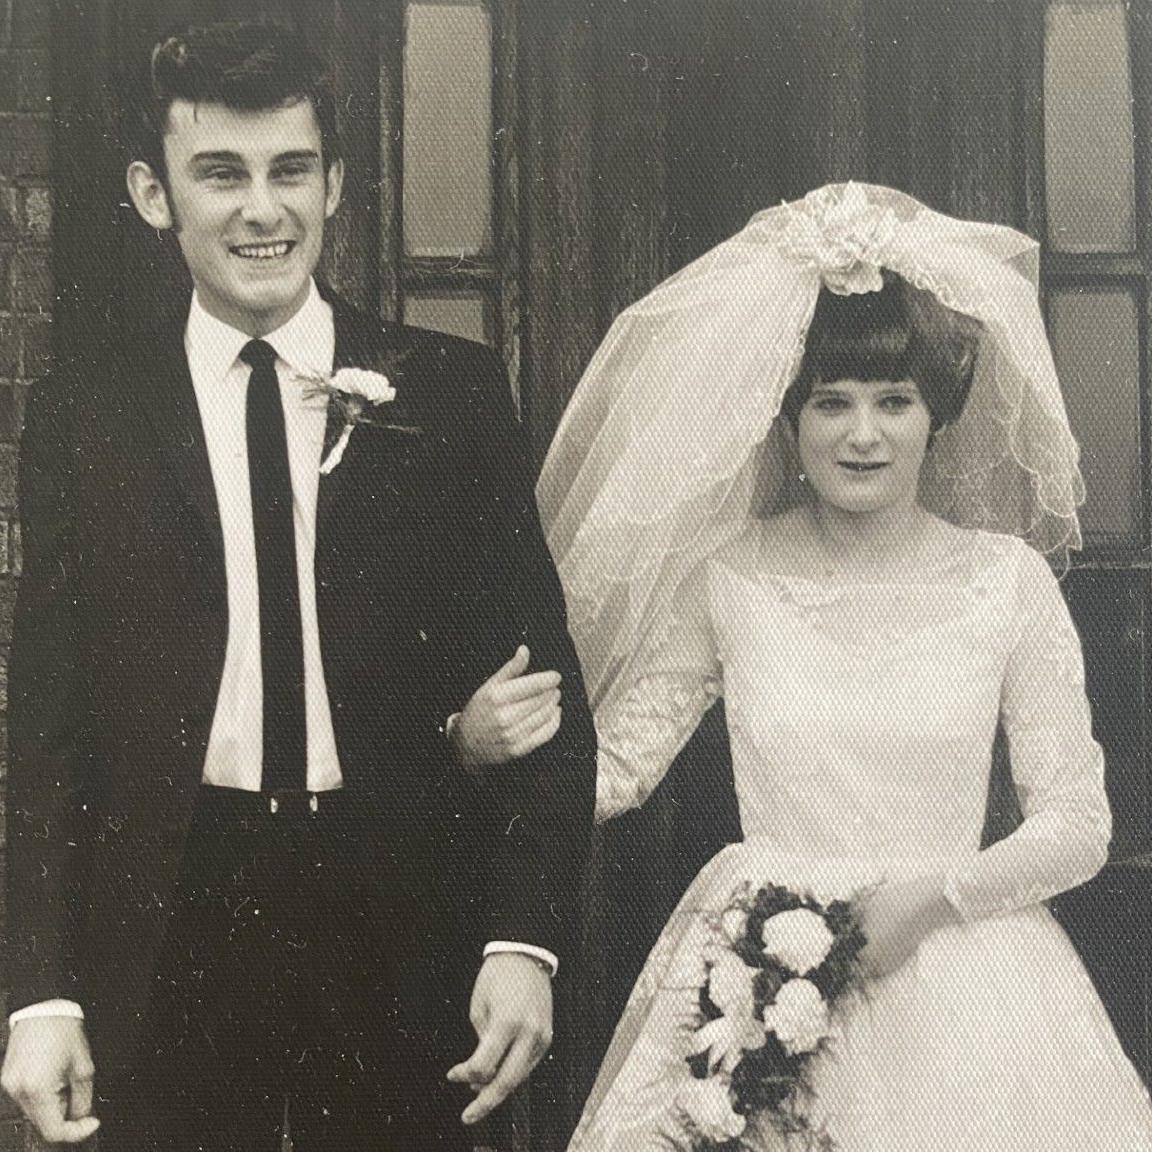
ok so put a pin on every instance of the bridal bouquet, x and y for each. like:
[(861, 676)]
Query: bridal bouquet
[(777, 964)]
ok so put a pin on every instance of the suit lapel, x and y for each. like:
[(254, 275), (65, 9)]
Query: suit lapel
[(345, 357), (166, 395), (360, 343), (167, 398)]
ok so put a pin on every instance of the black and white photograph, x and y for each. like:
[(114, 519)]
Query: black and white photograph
[(576, 575)]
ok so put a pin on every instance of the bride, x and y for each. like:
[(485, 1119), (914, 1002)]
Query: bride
[(818, 471)]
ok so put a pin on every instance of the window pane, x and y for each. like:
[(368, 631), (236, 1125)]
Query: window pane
[(457, 315), (447, 129), (1095, 341), (1088, 128)]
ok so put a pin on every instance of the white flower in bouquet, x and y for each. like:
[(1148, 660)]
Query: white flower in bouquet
[(707, 1106), (799, 1017), (726, 1039), (734, 923), (714, 949), (730, 985), (799, 939)]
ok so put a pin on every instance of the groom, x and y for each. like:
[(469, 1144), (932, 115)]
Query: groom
[(262, 644)]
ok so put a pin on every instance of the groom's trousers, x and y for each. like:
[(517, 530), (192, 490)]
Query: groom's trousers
[(288, 985)]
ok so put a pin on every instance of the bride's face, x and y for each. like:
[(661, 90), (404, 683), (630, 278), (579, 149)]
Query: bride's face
[(862, 442)]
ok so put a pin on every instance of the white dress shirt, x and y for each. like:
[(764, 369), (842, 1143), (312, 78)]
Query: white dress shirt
[(305, 346)]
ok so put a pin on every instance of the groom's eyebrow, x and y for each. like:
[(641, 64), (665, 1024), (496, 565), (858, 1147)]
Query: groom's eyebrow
[(298, 154), (226, 156), (218, 155)]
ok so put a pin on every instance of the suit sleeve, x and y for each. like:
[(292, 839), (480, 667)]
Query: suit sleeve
[(537, 813), (46, 707)]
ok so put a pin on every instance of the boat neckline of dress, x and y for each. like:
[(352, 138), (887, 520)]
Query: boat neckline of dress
[(993, 548)]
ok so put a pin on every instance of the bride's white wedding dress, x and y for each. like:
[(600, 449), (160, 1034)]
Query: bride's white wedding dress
[(862, 720)]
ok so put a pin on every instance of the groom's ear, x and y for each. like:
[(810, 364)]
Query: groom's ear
[(149, 195), (334, 185)]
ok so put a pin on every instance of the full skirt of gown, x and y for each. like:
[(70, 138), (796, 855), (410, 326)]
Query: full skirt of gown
[(991, 1038)]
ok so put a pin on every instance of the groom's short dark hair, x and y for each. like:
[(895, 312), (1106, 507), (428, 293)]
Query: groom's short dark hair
[(244, 64)]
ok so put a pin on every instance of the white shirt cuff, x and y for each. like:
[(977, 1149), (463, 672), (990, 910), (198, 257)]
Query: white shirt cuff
[(47, 1008), (541, 954)]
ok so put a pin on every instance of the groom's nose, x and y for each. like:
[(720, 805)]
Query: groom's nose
[(261, 204)]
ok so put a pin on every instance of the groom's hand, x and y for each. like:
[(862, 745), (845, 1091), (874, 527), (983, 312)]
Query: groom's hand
[(510, 715), (512, 1014), (48, 1072)]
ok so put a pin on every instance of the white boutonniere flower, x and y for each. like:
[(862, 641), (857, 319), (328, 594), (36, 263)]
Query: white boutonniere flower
[(356, 393), (360, 384)]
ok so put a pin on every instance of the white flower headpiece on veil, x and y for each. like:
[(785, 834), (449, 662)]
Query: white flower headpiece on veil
[(671, 441)]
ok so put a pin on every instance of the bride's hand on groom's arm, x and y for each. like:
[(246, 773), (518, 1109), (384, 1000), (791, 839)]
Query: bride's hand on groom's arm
[(897, 916), (511, 1012), (509, 715)]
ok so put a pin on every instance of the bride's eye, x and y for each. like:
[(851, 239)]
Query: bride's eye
[(829, 403), (897, 402)]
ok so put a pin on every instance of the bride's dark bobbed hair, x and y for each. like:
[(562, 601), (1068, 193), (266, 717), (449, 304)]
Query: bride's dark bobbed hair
[(898, 333)]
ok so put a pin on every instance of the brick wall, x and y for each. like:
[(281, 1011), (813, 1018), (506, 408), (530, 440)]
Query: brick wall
[(26, 298)]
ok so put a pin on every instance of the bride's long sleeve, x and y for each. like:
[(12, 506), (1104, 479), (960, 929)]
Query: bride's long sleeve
[(676, 679), (1057, 766)]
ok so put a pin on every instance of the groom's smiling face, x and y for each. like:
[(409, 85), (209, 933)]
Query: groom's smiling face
[(248, 194)]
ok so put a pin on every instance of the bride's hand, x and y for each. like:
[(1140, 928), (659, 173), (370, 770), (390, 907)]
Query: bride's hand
[(508, 716), (897, 916)]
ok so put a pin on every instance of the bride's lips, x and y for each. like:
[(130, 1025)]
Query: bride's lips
[(863, 468)]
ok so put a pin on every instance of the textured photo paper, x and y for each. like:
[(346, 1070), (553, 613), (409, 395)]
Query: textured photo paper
[(518, 175)]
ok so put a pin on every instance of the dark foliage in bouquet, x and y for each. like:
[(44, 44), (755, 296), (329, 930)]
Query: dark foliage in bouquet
[(769, 1083)]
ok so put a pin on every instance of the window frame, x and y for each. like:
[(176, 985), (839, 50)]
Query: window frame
[(494, 275), (1091, 271)]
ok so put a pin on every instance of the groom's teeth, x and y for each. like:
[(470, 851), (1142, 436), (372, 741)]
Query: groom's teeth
[(262, 251)]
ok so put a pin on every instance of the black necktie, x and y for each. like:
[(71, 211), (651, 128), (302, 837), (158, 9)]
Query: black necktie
[(281, 639)]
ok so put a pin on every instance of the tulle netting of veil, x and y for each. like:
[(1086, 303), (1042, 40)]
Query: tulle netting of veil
[(671, 440)]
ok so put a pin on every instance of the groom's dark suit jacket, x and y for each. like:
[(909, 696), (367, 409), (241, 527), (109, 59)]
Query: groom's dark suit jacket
[(430, 568)]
